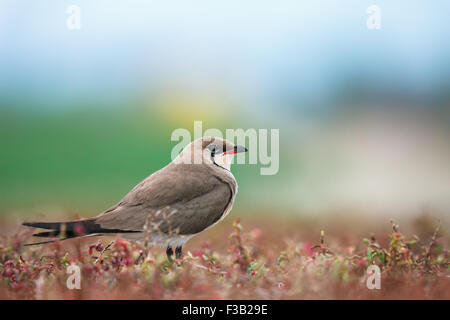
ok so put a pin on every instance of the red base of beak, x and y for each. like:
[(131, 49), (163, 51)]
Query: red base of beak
[(230, 152)]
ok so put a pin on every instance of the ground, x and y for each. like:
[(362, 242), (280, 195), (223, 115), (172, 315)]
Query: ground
[(252, 258)]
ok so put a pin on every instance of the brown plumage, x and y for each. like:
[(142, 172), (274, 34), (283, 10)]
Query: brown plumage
[(189, 195)]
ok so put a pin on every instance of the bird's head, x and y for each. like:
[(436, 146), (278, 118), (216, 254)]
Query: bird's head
[(210, 151)]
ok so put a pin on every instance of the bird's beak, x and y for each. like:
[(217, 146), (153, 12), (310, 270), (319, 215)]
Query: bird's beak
[(236, 149)]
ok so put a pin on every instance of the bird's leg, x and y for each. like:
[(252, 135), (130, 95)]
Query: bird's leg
[(178, 252), (169, 252)]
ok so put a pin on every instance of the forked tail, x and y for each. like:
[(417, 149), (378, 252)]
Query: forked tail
[(70, 229)]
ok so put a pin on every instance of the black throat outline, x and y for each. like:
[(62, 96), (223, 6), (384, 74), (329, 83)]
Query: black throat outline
[(213, 153)]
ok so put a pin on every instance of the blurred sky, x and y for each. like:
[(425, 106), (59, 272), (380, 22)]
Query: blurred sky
[(261, 49), (364, 113)]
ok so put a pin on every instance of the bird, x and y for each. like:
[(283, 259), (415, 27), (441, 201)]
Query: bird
[(191, 194)]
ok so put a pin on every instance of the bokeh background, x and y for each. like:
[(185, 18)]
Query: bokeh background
[(364, 115)]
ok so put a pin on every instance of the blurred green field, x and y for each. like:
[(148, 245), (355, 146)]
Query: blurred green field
[(82, 159), (74, 159)]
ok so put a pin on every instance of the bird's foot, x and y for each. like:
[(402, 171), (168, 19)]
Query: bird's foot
[(179, 252), (169, 253)]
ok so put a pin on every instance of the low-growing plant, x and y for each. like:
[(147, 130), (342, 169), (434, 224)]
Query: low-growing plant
[(242, 269)]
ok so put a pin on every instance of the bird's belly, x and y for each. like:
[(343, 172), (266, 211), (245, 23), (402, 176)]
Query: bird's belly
[(158, 238)]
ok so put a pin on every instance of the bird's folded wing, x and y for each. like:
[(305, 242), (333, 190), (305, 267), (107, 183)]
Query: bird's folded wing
[(182, 200)]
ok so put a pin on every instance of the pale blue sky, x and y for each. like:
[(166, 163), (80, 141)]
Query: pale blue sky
[(264, 50)]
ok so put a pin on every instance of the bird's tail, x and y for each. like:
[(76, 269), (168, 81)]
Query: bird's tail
[(70, 229)]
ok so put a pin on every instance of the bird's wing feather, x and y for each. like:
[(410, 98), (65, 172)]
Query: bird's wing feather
[(179, 198)]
